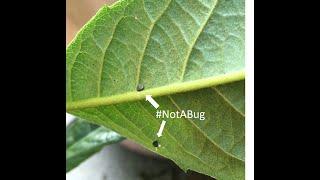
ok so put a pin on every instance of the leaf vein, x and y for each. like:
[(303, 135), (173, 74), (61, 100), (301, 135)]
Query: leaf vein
[(184, 67), (228, 101), (104, 58), (147, 42), (203, 133)]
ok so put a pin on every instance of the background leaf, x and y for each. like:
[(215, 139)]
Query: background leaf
[(85, 139), (179, 50)]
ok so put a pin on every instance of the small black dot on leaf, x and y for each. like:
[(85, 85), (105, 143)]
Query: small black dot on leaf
[(155, 143), (140, 87)]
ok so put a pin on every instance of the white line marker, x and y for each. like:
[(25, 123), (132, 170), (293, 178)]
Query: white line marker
[(161, 128), (152, 101)]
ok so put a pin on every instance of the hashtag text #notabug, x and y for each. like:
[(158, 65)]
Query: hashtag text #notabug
[(180, 114)]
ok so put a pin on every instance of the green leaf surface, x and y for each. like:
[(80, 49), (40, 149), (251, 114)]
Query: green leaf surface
[(84, 139), (189, 54)]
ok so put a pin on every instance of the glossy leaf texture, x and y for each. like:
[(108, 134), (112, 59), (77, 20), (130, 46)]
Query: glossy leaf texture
[(188, 54), (83, 139)]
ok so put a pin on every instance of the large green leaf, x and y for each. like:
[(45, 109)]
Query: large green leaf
[(188, 54), (84, 139)]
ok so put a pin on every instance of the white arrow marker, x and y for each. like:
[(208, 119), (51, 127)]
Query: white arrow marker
[(152, 101), (161, 128)]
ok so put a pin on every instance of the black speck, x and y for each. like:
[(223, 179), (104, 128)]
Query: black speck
[(140, 87), (155, 143)]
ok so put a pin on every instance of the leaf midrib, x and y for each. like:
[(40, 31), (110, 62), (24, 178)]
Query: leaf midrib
[(159, 91)]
